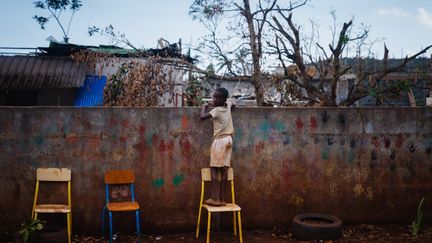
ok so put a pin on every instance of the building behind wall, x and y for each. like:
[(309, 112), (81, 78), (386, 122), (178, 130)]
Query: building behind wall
[(48, 76), (31, 80), (416, 78)]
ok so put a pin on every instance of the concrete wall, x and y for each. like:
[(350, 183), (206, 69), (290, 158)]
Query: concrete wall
[(368, 165)]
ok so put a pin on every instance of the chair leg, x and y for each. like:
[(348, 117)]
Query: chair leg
[(198, 222), (103, 222), (240, 227), (110, 227), (35, 216), (70, 220), (137, 215), (208, 226), (69, 227), (235, 224)]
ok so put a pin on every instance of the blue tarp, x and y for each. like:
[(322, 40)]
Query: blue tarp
[(91, 93)]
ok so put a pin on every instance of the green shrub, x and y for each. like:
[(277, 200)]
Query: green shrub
[(417, 224), (29, 227)]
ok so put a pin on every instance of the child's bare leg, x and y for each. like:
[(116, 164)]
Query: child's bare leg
[(215, 184), (214, 201), (224, 179)]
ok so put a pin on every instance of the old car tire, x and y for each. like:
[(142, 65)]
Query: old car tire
[(308, 227)]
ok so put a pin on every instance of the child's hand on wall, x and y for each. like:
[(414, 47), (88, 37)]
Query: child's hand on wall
[(233, 101)]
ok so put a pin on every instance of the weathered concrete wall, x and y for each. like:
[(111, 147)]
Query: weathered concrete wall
[(369, 165)]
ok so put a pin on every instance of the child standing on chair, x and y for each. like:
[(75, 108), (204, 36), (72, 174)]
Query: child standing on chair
[(221, 147)]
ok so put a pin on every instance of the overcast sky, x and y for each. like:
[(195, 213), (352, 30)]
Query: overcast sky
[(405, 25)]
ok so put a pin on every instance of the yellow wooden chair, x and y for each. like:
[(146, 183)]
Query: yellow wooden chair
[(229, 207), (54, 175)]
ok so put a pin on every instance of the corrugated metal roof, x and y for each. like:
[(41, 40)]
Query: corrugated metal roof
[(40, 72), (91, 94)]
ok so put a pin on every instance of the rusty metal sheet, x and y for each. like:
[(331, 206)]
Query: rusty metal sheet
[(37, 72)]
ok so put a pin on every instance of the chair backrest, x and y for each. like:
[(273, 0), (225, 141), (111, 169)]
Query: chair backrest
[(53, 174), (206, 174), (119, 177), (116, 177)]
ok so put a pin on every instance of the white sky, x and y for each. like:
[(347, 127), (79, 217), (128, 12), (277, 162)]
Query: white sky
[(405, 25)]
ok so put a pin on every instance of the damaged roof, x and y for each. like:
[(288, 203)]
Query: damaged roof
[(53, 67), (170, 51), (27, 73)]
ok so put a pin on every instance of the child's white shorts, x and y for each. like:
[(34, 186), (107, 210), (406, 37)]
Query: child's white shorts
[(220, 152)]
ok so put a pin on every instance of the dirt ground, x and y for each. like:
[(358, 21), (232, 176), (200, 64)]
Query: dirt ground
[(359, 233)]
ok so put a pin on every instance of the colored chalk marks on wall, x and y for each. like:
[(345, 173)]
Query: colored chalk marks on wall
[(325, 154), (324, 117), (411, 146), (428, 148), (299, 123), (286, 139), (313, 123), (392, 154), (186, 146), (399, 140), (39, 140), (238, 136), (177, 180), (278, 125), (330, 140), (266, 128), (350, 157), (272, 132), (296, 200), (341, 119), (387, 142), (376, 142), (259, 147), (373, 154), (158, 182)]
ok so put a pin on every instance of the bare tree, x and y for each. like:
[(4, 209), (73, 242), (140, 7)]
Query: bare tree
[(55, 9), (247, 24), (329, 64), (116, 37)]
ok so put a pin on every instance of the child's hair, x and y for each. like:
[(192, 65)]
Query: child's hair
[(223, 92)]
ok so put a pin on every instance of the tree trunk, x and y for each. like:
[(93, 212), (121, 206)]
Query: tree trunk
[(259, 92), (256, 55), (411, 98)]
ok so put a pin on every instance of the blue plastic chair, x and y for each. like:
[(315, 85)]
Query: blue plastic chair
[(119, 177)]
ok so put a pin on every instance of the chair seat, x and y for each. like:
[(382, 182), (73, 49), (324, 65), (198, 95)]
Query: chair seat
[(52, 208), (229, 207), (123, 206)]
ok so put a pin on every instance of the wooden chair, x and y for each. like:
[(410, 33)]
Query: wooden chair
[(119, 177), (54, 175), (229, 207)]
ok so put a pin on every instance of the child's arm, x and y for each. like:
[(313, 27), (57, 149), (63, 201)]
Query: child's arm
[(233, 105), (204, 114)]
